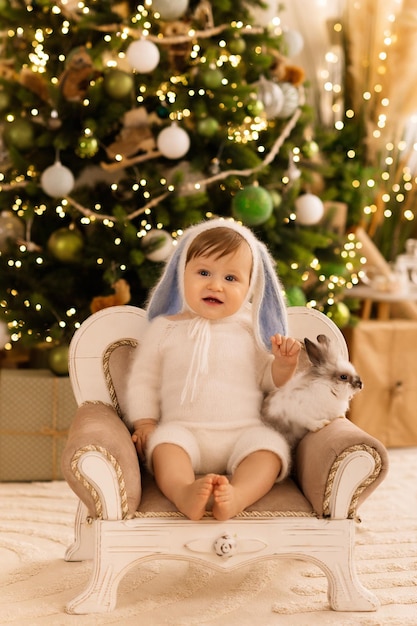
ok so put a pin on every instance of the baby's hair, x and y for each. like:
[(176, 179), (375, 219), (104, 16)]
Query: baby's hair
[(218, 241)]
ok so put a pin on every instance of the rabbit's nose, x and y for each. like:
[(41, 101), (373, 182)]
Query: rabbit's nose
[(356, 382)]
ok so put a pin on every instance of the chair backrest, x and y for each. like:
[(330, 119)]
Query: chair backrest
[(305, 322), (114, 333), (93, 344)]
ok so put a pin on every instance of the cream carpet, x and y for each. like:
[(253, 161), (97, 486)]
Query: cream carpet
[(35, 582)]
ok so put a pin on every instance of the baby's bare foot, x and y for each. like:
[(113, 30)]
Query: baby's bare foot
[(193, 498), (226, 504)]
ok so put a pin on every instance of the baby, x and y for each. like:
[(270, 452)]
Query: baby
[(215, 345)]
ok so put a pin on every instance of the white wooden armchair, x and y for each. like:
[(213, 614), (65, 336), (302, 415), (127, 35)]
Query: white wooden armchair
[(122, 517)]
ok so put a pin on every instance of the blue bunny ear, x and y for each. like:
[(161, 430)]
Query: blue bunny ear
[(268, 301), (166, 298)]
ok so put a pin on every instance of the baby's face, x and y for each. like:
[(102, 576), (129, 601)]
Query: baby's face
[(216, 288)]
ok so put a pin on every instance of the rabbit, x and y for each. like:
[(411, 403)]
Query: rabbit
[(315, 395)]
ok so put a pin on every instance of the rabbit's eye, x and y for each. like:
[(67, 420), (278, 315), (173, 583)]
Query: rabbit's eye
[(343, 377)]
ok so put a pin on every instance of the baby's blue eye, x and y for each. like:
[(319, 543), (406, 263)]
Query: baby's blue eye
[(230, 278)]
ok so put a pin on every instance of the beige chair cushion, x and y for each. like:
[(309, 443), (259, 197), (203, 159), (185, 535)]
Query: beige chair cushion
[(284, 498)]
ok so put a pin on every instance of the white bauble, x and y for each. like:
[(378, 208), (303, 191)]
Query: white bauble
[(294, 42), (157, 245), (271, 96), (291, 100), (309, 209), (173, 142), (170, 10), (57, 180), (143, 55)]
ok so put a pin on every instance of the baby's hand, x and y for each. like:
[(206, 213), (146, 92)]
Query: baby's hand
[(285, 348), (140, 436), (286, 351)]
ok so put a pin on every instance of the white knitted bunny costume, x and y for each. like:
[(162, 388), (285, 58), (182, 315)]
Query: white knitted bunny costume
[(204, 380)]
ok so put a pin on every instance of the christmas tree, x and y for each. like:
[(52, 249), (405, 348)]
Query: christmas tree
[(122, 124)]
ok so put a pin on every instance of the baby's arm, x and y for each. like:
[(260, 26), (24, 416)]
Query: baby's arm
[(286, 351), (141, 410), (142, 429)]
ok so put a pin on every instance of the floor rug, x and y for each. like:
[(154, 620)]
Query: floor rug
[(35, 582)]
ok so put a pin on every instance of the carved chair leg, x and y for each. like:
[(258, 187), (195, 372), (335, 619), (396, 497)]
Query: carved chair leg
[(331, 548), (345, 591), (82, 547), (100, 596), (111, 562)]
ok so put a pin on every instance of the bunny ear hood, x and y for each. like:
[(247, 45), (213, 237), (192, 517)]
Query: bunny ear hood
[(265, 292)]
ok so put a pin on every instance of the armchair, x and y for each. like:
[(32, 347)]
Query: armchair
[(123, 518)]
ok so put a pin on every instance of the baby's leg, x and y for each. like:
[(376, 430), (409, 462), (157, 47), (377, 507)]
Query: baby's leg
[(253, 478), (175, 477)]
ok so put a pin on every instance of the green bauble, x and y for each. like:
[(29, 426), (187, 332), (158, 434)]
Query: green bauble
[(339, 314), (212, 78), (295, 296), (252, 205), (58, 360), (87, 147), (255, 108), (66, 245), (19, 134), (208, 127), (237, 45), (310, 149), (118, 84)]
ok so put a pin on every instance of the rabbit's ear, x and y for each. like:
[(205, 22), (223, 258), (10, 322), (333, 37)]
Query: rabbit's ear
[(317, 351), (328, 348), (324, 340)]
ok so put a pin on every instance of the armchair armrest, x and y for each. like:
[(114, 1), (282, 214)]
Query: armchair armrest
[(338, 467), (100, 463)]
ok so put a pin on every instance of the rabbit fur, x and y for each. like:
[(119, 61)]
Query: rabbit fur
[(314, 396)]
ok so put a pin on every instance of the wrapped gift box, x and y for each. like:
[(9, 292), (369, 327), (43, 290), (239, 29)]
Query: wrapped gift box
[(36, 410), (385, 356)]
